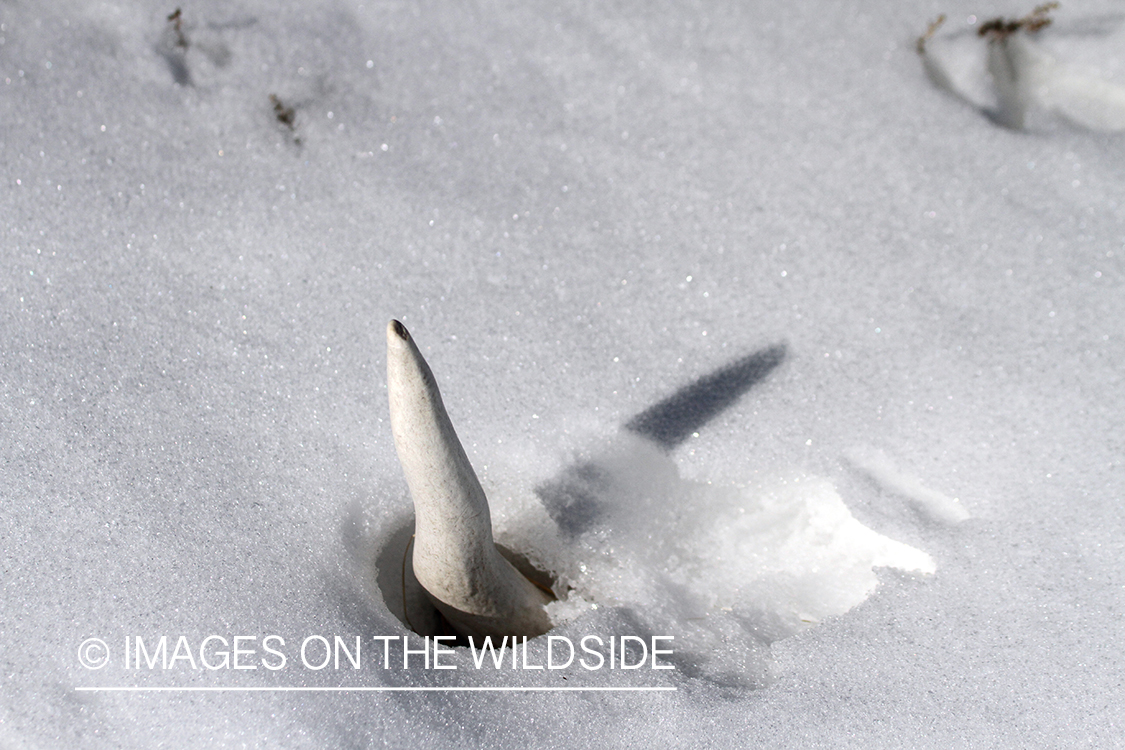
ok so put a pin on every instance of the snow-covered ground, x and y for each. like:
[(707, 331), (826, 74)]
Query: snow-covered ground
[(577, 209)]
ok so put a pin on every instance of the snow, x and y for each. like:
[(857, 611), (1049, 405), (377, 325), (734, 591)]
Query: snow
[(1016, 80), (877, 465), (578, 210)]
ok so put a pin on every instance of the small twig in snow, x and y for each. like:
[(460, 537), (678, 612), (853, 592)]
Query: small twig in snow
[(176, 18), (930, 31), (285, 115), (1002, 28)]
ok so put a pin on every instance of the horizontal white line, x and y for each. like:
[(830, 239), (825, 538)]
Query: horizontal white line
[(362, 689)]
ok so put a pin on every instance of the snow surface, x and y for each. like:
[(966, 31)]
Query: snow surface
[(577, 209), (1016, 79)]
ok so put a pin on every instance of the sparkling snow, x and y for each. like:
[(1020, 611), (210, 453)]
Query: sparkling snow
[(577, 209)]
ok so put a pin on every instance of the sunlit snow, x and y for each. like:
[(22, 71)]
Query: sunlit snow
[(578, 209)]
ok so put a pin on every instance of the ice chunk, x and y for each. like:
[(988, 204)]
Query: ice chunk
[(724, 568)]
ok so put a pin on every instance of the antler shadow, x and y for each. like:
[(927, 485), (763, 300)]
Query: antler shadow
[(572, 499)]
